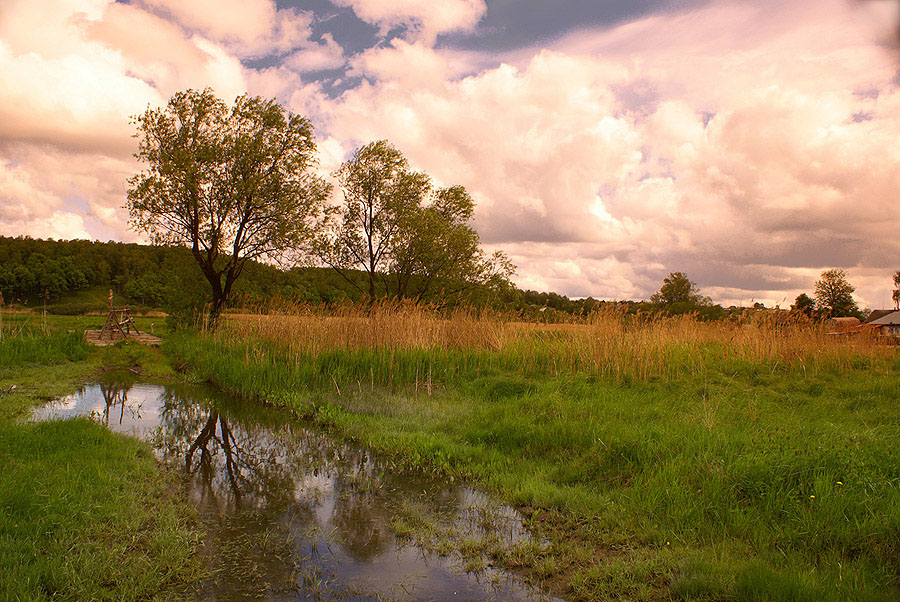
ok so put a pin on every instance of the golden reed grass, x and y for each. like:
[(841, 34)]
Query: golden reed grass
[(608, 343)]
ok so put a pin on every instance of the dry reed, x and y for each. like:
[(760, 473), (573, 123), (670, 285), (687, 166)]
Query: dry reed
[(609, 343)]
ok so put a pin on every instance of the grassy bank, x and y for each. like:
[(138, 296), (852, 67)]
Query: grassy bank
[(751, 460), (84, 514)]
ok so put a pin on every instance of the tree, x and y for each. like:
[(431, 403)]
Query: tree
[(677, 288), (408, 238), (803, 304), (436, 253), (379, 191), (834, 294), (232, 184), (895, 295)]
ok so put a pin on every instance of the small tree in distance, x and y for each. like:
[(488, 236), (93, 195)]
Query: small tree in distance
[(834, 295), (677, 289), (804, 304), (232, 184), (895, 294)]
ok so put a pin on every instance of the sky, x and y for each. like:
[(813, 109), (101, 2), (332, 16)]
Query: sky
[(749, 143)]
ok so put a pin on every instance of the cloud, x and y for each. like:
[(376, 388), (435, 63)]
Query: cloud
[(317, 56), (717, 139), (252, 29), (26, 207), (81, 69), (424, 19)]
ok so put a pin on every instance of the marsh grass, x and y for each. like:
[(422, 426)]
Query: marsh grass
[(396, 344), (85, 514), (660, 457)]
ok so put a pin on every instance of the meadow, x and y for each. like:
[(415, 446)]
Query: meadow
[(85, 514), (660, 458)]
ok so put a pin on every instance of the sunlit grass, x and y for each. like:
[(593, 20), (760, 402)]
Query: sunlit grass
[(749, 460)]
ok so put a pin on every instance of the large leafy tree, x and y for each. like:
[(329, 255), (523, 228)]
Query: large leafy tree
[(678, 289), (834, 294), (380, 191), (233, 184), (410, 239)]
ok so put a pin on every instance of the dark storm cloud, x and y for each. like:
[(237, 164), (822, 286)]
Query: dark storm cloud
[(348, 30), (511, 24)]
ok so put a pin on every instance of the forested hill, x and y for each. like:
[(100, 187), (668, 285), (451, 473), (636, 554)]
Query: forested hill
[(75, 277)]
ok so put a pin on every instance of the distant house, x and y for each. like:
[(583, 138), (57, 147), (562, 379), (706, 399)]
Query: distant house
[(886, 322), (842, 325), (878, 313)]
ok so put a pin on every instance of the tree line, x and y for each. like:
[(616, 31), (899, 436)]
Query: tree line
[(73, 276)]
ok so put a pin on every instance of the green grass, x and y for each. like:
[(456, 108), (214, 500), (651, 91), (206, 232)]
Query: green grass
[(16, 323), (84, 514), (736, 481)]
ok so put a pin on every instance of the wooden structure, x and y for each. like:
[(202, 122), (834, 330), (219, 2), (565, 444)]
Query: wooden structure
[(119, 321), (119, 326), (93, 337)]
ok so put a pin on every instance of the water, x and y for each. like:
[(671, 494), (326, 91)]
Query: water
[(292, 514)]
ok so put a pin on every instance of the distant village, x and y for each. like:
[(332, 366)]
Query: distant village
[(883, 322)]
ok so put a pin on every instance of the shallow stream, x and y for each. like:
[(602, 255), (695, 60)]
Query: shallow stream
[(292, 514)]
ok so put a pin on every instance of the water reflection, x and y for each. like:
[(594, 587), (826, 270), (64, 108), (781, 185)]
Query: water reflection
[(295, 515)]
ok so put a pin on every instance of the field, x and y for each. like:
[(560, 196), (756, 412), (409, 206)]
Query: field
[(84, 514), (662, 458)]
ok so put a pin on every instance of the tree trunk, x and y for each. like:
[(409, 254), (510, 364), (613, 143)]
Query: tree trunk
[(218, 304)]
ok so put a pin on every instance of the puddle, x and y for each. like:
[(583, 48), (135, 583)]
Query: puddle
[(292, 514)]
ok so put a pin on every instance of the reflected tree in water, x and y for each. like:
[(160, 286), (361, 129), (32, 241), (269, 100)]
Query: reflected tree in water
[(115, 392)]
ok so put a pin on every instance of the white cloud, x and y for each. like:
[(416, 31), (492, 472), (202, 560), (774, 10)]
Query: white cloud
[(60, 225), (248, 28), (734, 135), (327, 54), (80, 70)]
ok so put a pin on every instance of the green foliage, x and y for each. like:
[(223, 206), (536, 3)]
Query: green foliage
[(679, 293), (411, 240), (380, 191), (230, 184), (84, 514), (165, 278), (834, 295), (437, 255), (803, 304), (57, 347)]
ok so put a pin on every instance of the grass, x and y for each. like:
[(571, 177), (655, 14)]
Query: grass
[(20, 322), (84, 514), (665, 458)]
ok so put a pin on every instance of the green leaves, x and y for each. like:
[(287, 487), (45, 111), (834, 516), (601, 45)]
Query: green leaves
[(233, 184), (678, 289), (412, 240), (834, 294)]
